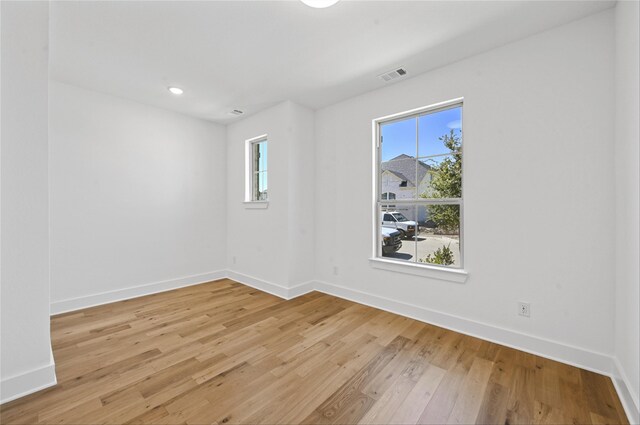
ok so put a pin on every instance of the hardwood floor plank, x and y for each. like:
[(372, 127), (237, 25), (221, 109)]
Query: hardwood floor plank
[(575, 409), (548, 383), (600, 399), (470, 395), (493, 409), (414, 404), (547, 415), (222, 352), (521, 403), (438, 409), (153, 416), (341, 403), (385, 407)]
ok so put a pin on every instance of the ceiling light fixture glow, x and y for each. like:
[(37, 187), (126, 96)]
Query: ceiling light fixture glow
[(176, 90), (319, 4)]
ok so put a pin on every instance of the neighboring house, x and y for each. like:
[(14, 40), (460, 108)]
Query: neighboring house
[(399, 177)]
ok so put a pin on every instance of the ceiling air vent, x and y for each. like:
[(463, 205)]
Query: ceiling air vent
[(392, 75), (236, 112)]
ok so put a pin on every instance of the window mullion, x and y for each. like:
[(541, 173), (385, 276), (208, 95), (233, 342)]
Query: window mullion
[(423, 201), (416, 163)]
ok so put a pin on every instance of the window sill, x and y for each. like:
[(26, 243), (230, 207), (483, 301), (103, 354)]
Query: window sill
[(256, 204), (452, 275)]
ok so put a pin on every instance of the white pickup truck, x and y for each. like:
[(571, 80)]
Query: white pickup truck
[(396, 220)]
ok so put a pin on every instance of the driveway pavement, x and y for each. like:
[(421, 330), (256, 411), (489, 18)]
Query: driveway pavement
[(427, 243)]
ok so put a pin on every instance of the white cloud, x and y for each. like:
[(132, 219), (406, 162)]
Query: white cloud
[(454, 124)]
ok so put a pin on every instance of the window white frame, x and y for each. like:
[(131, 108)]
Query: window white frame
[(422, 269), (250, 197)]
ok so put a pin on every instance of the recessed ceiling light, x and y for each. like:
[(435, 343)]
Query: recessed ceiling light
[(319, 4), (176, 90)]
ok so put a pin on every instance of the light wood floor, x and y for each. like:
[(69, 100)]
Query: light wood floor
[(225, 353)]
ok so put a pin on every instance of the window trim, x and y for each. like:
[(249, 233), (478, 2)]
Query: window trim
[(249, 200), (418, 269), (377, 260)]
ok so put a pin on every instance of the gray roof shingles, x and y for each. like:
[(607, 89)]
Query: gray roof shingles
[(404, 166)]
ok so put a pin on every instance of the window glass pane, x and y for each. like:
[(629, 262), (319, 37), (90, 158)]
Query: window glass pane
[(397, 232), (259, 171), (255, 156), (443, 178), (398, 139), (398, 177), (261, 186), (440, 132), (262, 156), (254, 186), (438, 240)]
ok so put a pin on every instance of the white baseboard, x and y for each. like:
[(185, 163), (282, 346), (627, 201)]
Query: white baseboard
[(301, 289), (64, 306), (628, 397), (270, 287), (575, 356), (28, 382)]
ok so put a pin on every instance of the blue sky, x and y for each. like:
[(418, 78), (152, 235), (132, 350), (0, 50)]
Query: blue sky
[(262, 146), (262, 165), (400, 137)]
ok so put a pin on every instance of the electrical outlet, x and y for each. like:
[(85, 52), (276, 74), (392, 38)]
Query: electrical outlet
[(335, 270), (524, 309), (233, 259)]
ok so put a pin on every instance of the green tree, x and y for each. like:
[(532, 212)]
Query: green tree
[(446, 182), (443, 256)]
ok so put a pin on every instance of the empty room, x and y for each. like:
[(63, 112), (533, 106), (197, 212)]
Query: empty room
[(320, 212)]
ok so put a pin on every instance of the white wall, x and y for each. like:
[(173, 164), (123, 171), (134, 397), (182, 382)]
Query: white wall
[(273, 247), (26, 361), (301, 195), (627, 157), (138, 198), (539, 204)]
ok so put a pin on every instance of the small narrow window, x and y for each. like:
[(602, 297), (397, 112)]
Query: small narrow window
[(257, 177), (388, 195)]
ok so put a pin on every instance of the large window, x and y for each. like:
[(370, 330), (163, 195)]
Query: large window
[(257, 178), (419, 161)]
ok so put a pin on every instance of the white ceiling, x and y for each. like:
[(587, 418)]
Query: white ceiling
[(252, 54)]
